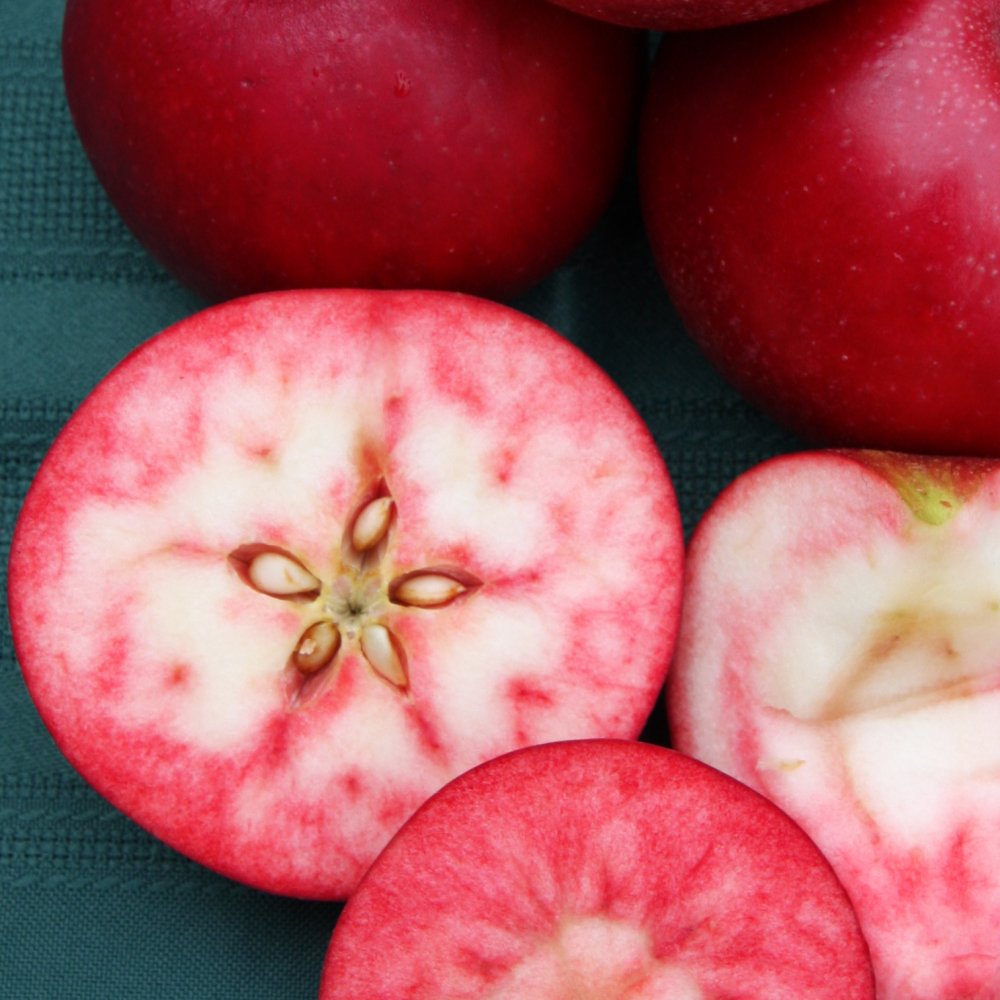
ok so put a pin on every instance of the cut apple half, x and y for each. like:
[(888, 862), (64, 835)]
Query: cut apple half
[(303, 557), (840, 652), (598, 869)]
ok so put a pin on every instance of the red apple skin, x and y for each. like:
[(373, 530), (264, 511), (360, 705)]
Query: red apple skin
[(889, 766), (162, 675), (822, 198), (393, 144), (679, 881), (678, 15)]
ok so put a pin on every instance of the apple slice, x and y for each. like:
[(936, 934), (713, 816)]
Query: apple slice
[(303, 557), (596, 869), (839, 653)]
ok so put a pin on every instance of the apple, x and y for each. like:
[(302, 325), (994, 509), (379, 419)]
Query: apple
[(598, 868), (305, 556), (822, 196), (838, 653), (459, 144), (675, 15)]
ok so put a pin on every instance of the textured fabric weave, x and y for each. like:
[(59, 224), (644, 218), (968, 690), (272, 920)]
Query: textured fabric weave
[(90, 906)]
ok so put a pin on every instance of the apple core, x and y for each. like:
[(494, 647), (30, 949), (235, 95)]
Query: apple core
[(593, 958), (355, 605)]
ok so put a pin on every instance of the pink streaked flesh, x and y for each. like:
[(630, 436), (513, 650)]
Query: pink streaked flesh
[(159, 671), (841, 656), (596, 869)]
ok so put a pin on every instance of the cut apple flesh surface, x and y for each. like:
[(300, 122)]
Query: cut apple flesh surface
[(592, 870), (304, 557), (843, 656)]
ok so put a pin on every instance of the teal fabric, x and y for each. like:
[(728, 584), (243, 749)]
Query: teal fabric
[(90, 906)]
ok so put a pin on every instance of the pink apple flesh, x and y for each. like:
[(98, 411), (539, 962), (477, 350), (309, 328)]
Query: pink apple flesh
[(303, 557), (674, 15), (592, 869), (325, 143), (838, 652)]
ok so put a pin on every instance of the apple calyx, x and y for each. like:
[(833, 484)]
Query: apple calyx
[(934, 488), (353, 607)]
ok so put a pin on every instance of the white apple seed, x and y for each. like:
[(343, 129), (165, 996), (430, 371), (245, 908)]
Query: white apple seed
[(428, 589), (273, 571), (384, 655), (372, 523)]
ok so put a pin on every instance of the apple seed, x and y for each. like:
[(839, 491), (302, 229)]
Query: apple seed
[(384, 655), (372, 523), (274, 572), (317, 647), (430, 588)]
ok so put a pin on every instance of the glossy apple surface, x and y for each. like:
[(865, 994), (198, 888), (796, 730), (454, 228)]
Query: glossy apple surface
[(305, 556), (674, 15), (460, 144), (598, 869), (838, 652), (822, 197)]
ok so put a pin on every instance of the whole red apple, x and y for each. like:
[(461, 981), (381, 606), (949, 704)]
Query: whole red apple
[(838, 652), (822, 193), (305, 556), (598, 869), (461, 144), (673, 15)]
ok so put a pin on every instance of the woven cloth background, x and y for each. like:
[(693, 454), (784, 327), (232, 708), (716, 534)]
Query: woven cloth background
[(90, 906)]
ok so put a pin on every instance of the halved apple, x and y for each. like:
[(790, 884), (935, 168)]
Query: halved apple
[(593, 869), (840, 652), (304, 557)]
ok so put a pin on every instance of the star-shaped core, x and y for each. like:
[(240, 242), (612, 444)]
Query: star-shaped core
[(354, 606)]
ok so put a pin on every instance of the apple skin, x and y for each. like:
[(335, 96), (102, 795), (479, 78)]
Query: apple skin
[(837, 653), (162, 663), (598, 868), (822, 198), (394, 144), (679, 15)]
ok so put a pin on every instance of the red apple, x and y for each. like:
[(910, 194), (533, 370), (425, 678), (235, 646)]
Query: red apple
[(464, 144), (598, 869), (838, 652), (822, 195), (304, 557), (674, 15)]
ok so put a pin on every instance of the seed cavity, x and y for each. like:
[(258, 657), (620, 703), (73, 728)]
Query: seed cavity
[(384, 655), (431, 588), (316, 647), (302, 690), (356, 607), (273, 571), (372, 523)]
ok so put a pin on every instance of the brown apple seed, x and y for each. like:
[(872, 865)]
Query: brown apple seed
[(316, 647)]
